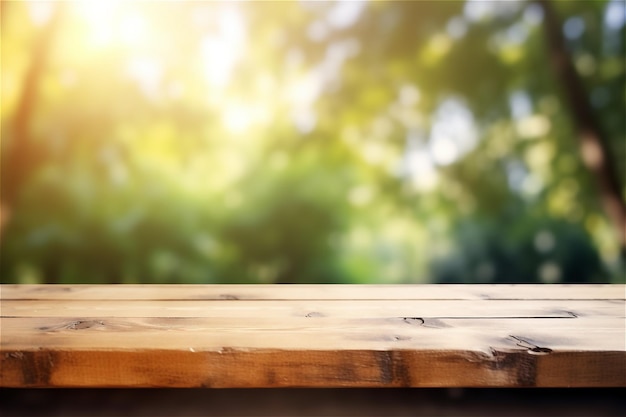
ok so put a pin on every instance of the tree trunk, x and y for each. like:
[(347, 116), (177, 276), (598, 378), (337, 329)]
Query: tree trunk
[(594, 147), (21, 155)]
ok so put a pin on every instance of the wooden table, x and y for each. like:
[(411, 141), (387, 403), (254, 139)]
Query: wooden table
[(312, 336)]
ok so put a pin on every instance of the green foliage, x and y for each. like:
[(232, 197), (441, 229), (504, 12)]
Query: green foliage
[(541, 250), (260, 142)]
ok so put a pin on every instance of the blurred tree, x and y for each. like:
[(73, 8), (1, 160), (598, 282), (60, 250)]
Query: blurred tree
[(595, 148), (311, 141), (486, 56), (21, 154)]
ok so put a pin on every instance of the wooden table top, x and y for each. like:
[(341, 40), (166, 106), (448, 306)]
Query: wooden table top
[(312, 336)]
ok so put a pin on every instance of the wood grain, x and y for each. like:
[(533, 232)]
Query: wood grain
[(313, 292), (312, 336)]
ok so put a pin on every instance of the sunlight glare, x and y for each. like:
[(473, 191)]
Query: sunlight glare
[(133, 29), (40, 11), (443, 150), (301, 97), (99, 16), (520, 104), (345, 13), (453, 133), (221, 51), (148, 73), (456, 27), (417, 165), (615, 14), (476, 10), (238, 116)]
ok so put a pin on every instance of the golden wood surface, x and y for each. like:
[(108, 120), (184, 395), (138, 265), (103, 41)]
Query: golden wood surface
[(312, 336)]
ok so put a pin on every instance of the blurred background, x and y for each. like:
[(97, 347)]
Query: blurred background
[(313, 142)]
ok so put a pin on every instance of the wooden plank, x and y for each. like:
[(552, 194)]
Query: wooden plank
[(319, 369), (312, 334), (124, 338), (302, 308), (313, 292)]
